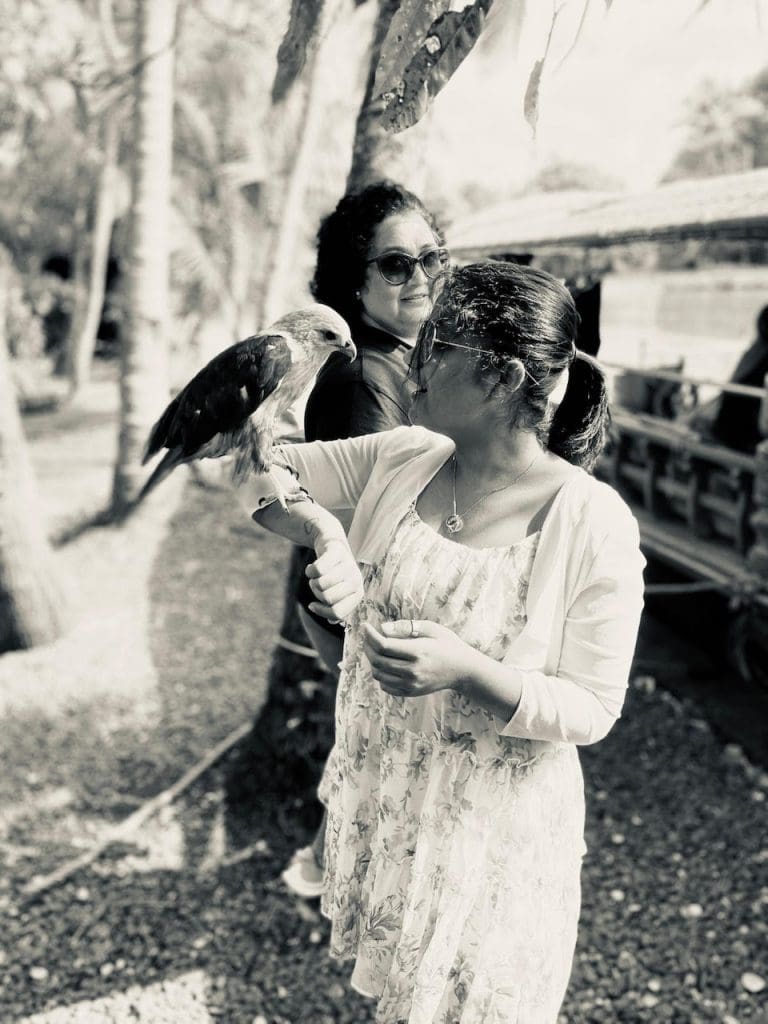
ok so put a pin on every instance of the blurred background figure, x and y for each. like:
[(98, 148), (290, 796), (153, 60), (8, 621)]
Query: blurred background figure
[(736, 420), (586, 294)]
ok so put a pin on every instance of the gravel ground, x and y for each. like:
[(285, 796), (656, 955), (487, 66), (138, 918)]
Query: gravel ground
[(185, 920)]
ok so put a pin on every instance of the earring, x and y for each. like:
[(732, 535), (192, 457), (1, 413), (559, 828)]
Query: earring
[(357, 294)]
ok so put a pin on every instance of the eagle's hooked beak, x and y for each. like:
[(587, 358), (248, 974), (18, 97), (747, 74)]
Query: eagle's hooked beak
[(347, 346)]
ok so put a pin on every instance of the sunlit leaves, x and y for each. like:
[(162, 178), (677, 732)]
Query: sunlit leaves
[(292, 54), (409, 27), (531, 102), (447, 41)]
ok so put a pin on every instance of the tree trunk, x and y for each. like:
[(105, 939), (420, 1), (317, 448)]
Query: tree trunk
[(377, 153), (282, 250), (84, 331), (31, 603), (144, 369), (77, 283)]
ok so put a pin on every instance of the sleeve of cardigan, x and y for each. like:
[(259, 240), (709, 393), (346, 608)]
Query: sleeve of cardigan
[(583, 700), (333, 473)]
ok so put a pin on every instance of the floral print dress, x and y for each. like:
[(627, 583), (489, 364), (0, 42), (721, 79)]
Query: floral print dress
[(453, 854)]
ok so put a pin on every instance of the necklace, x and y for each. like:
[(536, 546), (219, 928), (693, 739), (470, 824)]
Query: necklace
[(454, 523)]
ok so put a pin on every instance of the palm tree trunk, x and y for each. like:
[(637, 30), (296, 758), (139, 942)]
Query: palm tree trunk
[(83, 341), (31, 603), (77, 282), (144, 370)]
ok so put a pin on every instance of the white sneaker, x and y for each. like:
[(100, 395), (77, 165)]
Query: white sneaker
[(304, 876)]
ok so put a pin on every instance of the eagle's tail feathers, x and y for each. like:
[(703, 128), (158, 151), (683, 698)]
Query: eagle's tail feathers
[(167, 464), (159, 433)]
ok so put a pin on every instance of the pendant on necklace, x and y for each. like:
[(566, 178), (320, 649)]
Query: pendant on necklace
[(454, 523)]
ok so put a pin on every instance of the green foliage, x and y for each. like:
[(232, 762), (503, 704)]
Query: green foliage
[(531, 100), (410, 24), (50, 179), (222, 94), (568, 175), (448, 40), (727, 131), (22, 326)]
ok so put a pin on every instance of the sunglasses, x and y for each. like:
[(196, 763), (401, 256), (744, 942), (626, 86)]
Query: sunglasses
[(399, 267), (428, 341)]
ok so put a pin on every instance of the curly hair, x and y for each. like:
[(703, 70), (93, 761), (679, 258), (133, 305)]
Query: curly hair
[(344, 242), (527, 314)]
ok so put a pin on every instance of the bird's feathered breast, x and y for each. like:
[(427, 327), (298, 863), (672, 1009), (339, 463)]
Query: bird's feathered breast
[(223, 394)]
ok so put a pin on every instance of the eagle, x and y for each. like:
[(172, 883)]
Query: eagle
[(233, 403)]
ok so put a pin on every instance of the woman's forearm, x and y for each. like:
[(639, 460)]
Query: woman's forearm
[(492, 686), (534, 705), (334, 576), (305, 523)]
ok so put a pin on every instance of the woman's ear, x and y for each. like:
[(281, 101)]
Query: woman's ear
[(515, 374), (557, 394)]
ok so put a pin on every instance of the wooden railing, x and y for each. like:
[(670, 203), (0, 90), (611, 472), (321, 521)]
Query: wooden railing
[(702, 507)]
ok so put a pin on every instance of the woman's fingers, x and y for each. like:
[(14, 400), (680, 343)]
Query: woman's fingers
[(401, 649), (341, 607), (331, 593), (394, 687), (389, 667), (331, 575), (323, 611), (338, 555), (347, 605), (411, 629)]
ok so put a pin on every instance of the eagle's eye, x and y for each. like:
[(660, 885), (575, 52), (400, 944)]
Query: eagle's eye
[(329, 335)]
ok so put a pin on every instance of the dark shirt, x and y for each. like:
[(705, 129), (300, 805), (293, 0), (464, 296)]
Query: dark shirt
[(349, 399), (365, 396)]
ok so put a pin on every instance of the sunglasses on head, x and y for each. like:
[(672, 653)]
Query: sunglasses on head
[(399, 267)]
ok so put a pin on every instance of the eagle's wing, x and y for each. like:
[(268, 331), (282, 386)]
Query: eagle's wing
[(222, 396)]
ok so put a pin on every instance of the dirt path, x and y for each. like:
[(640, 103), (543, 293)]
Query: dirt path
[(73, 452)]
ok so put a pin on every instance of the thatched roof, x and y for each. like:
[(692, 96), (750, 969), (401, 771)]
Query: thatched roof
[(731, 205)]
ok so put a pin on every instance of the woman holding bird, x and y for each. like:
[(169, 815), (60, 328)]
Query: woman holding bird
[(491, 590)]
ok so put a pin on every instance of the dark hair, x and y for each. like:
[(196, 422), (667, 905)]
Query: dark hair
[(512, 310), (344, 241)]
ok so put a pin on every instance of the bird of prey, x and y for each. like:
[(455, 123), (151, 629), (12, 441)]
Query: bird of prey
[(233, 403)]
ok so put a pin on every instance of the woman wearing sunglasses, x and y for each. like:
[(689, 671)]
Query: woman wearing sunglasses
[(491, 590), (379, 260)]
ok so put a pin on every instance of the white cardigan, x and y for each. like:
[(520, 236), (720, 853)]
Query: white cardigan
[(585, 593)]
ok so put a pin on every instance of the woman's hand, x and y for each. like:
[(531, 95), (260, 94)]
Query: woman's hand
[(335, 580), (412, 658)]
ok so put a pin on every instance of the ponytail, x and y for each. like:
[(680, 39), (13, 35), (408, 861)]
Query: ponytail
[(579, 427)]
